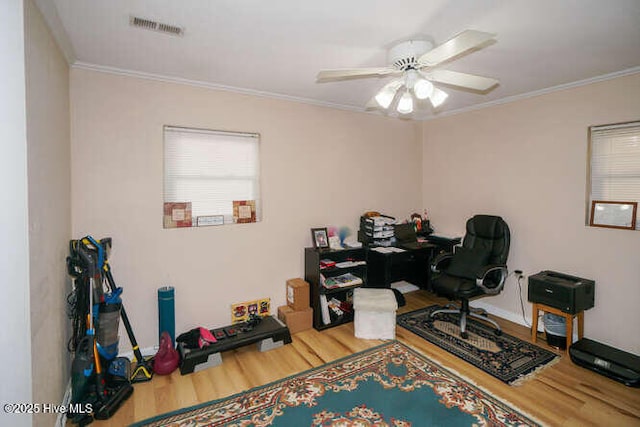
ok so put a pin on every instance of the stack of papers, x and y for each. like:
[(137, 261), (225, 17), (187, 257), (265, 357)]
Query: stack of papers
[(379, 221), (385, 233), (341, 281), (387, 250), (352, 244), (404, 286), (347, 264), (378, 230)]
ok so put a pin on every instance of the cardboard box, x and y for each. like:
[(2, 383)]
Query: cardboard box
[(298, 294), (296, 320)]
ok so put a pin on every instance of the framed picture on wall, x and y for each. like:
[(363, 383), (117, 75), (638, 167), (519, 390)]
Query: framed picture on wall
[(613, 214), (320, 238), (244, 211), (177, 214)]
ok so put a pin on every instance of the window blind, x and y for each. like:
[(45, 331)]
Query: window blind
[(615, 163), (211, 169)]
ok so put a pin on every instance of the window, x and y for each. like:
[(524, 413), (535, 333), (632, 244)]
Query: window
[(205, 172), (614, 164)]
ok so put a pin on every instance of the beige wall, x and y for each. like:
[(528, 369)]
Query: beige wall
[(527, 161), (49, 164), (319, 167)]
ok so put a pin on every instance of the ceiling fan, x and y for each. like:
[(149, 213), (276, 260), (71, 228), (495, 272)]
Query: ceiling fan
[(416, 62)]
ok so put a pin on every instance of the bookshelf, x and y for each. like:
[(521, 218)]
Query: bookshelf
[(349, 263)]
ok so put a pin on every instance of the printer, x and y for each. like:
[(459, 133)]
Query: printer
[(569, 294)]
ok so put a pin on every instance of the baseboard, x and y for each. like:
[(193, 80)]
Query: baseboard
[(146, 352), (497, 311), (512, 317)]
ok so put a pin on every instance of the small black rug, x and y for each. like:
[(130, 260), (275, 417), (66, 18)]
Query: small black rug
[(505, 357)]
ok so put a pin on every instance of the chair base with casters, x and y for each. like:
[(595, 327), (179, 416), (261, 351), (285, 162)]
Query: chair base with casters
[(476, 269), (467, 311)]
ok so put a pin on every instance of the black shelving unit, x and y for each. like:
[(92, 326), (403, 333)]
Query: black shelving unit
[(312, 271)]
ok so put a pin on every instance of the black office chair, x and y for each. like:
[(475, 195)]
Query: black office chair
[(477, 268)]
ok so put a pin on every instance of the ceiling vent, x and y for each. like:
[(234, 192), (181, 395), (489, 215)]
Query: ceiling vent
[(148, 24)]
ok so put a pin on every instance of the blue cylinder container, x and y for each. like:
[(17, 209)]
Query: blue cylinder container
[(167, 312)]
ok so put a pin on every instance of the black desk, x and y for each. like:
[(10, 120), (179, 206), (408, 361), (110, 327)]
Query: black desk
[(410, 265), (445, 244)]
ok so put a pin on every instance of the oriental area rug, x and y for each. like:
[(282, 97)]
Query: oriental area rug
[(506, 357), (388, 385)]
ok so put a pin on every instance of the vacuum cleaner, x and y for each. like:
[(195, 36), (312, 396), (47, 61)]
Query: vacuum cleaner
[(100, 380)]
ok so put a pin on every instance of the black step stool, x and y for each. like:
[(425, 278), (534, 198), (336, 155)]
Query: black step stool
[(270, 333)]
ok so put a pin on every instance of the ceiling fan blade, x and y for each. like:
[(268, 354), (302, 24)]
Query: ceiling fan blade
[(459, 44), (354, 73), (455, 78)]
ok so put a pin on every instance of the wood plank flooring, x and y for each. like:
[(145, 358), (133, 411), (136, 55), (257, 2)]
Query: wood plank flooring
[(561, 395)]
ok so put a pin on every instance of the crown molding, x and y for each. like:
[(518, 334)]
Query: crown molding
[(272, 95), (519, 97), (50, 14), (207, 85)]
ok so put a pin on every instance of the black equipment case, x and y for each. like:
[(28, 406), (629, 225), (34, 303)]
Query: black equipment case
[(608, 361), (567, 293)]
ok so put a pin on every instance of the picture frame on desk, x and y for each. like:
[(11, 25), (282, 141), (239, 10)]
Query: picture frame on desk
[(320, 238)]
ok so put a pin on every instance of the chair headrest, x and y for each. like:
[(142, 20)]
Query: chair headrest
[(486, 227)]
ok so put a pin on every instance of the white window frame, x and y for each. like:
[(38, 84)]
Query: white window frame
[(614, 164), (211, 169)]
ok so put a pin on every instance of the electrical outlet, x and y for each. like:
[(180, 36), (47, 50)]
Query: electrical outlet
[(518, 273)]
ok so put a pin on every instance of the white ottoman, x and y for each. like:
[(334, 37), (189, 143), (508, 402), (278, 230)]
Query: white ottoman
[(375, 313)]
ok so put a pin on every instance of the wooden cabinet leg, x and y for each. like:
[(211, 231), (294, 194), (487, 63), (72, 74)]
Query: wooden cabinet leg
[(580, 325), (534, 323), (569, 320)]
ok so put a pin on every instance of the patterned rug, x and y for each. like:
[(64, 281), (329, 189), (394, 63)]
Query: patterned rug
[(388, 385), (505, 357)]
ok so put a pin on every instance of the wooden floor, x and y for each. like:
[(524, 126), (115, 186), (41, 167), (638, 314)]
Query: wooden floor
[(561, 395)]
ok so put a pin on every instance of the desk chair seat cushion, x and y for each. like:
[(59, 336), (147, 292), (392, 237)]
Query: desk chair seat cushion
[(466, 262), (454, 287)]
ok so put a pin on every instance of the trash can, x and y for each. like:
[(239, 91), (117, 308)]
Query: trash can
[(555, 328)]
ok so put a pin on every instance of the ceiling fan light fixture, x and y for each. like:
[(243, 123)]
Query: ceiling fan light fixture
[(385, 96), (423, 89), (405, 104), (438, 97), (417, 63)]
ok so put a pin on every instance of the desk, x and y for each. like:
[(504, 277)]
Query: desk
[(568, 319), (445, 244), (409, 265)]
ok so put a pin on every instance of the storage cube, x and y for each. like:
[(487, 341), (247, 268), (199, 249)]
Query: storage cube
[(375, 313), (297, 294), (296, 320)]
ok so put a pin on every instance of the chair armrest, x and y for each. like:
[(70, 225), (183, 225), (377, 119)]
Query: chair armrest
[(441, 261), (491, 278)]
